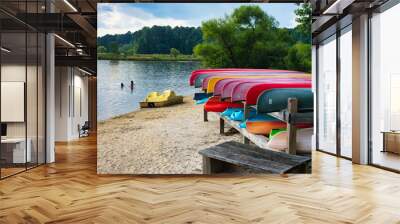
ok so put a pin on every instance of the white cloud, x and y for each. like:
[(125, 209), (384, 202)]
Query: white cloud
[(115, 19), (293, 22)]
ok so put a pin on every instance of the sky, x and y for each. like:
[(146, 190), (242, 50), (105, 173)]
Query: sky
[(119, 18)]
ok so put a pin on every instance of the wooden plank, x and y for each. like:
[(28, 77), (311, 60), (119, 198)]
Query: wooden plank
[(254, 157), (302, 118), (259, 140), (294, 118)]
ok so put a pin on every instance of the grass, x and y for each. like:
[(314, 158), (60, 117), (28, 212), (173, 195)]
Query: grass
[(146, 57)]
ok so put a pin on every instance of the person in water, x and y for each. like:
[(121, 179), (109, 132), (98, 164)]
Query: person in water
[(132, 84), (122, 85)]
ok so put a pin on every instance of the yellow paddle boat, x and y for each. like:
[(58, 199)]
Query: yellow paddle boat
[(156, 99)]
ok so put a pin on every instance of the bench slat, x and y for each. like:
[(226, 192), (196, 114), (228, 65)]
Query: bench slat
[(254, 157)]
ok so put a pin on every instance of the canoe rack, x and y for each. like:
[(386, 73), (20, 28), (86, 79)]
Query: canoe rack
[(291, 116)]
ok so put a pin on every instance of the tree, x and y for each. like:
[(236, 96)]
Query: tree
[(247, 38), (155, 40), (114, 48), (299, 57), (304, 19), (127, 49), (174, 52), (250, 38), (101, 49)]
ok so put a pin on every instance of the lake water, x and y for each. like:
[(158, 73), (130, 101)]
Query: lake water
[(147, 75)]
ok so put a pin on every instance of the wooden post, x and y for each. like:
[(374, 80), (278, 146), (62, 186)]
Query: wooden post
[(212, 166), (246, 112), (205, 115), (246, 115), (206, 165), (291, 128), (221, 125), (246, 140)]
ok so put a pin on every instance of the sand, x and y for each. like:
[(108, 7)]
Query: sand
[(157, 140)]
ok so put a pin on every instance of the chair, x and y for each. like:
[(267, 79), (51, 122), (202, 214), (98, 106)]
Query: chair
[(84, 130)]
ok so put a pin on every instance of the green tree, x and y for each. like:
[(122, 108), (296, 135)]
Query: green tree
[(101, 49), (246, 38), (174, 52), (114, 48), (127, 49), (304, 19), (299, 57)]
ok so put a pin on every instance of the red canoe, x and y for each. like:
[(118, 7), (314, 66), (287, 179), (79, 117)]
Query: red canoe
[(221, 84), (249, 92), (228, 89), (228, 84), (215, 105)]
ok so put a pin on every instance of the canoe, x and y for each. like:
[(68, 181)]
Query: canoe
[(249, 92), (196, 73), (228, 112), (210, 82), (303, 141), (228, 89), (275, 100), (200, 96), (221, 84), (215, 105), (156, 99), (264, 127), (198, 82), (237, 114)]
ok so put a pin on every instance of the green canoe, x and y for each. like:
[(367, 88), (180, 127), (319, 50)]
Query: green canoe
[(275, 100)]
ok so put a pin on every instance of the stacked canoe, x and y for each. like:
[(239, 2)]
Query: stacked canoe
[(263, 91)]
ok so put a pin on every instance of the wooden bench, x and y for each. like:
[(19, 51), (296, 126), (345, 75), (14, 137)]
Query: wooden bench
[(221, 158)]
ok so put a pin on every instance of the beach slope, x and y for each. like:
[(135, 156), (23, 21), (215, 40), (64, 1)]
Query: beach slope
[(157, 140)]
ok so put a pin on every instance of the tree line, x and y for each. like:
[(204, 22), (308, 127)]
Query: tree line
[(247, 38), (152, 40)]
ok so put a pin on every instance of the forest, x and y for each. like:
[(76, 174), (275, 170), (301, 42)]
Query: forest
[(247, 38), (152, 40)]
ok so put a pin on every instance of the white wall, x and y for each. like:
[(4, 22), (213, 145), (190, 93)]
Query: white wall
[(314, 89), (346, 93), (33, 126), (327, 97), (71, 87)]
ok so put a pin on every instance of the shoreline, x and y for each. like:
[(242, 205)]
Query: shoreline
[(157, 140), (125, 59), (136, 110), (149, 57)]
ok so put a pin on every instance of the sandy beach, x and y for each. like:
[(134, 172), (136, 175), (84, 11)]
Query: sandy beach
[(157, 140)]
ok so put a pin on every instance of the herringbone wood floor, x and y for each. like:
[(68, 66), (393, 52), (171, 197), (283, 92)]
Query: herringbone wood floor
[(69, 191)]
